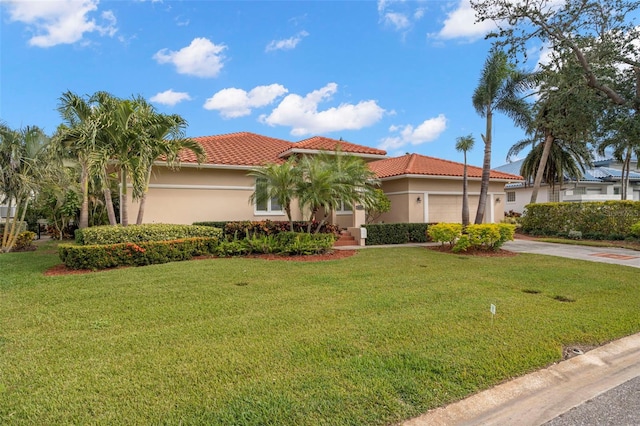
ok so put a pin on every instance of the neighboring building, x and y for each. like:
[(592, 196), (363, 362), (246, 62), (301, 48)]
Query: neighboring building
[(602, 182), (220, 188)]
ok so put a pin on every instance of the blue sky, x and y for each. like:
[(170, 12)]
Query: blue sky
[(396, 75)]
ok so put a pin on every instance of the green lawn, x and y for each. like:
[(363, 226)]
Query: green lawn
[(373, 339)]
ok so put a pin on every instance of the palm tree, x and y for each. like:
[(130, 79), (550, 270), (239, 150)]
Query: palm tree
[(564, 161), (499, 89), (331, 178), (76, 139), (22, 162), (279, 181), (464, 144), (163, 140)]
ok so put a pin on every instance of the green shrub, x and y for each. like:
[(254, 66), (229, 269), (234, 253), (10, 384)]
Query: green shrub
[(595, 220), (445, 233), (24, 241), (634, 231), (490, 235), (239, 229), (285, 243), (142, 233), (462, 244), (395, 233), (101, 256)]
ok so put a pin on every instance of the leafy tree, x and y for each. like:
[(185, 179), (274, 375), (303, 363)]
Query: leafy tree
[(499, 90), (377, 205), (22, 161), (601, 36), (464, 144), (279, 181)]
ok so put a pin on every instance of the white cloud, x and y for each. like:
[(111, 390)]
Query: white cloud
[(399, 15), (286, 44), (201, 58), (461, 23), (234, 102), (60, 22), (428, 131), (399, 21), (301, 113), (171, 98)]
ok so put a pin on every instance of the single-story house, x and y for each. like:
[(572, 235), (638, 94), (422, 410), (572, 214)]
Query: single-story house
[(602, 182), (421, 189)]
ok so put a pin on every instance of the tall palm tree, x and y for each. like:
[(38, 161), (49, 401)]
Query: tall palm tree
[(279, 181), (564, 161), (76, 139), (164, 139), (22, 154), (464, 144), (499, 90)]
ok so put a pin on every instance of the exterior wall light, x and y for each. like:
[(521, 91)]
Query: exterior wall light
[(419, 200)]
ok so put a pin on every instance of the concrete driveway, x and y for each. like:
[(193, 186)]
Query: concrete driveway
[(611, 255)]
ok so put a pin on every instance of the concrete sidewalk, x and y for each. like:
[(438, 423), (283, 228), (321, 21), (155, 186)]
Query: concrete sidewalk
[(541, 396)]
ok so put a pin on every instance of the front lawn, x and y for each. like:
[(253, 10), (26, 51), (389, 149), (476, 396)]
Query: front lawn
[(373, 339)]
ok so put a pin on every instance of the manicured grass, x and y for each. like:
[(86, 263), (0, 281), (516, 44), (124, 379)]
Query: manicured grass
[(373, 339)]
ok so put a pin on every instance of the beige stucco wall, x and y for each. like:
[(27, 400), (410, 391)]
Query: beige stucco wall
[(192, 195), (440, 200)]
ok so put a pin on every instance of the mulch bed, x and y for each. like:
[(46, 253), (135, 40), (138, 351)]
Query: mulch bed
[(62, 269)]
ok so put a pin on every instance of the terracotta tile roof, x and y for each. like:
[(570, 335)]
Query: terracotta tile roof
[(416, 164), (328, 144), (239, 149)]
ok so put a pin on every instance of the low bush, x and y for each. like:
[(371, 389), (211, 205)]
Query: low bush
[(24, 241), (445, 233), (102, 256), (396, 233), (485, 236), (142, 233)]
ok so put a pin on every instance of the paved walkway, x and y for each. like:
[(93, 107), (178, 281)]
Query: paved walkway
[(599, 387)]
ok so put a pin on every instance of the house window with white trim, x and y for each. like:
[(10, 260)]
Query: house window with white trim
[(266, 206), (511, 196), (343, 207)]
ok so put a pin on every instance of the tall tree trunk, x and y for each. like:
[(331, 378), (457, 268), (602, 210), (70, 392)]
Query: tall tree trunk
[(84, 207), (626, 166), (546, 149), (486, 169), (143, 199), (108, 202), (124, 211), (5, 232), (465, 194), (13, 235)]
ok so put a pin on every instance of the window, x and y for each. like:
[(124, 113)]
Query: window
[(343, 207), (266, 206), (511, 196), (553, 195), (581, 190), (616, 190)]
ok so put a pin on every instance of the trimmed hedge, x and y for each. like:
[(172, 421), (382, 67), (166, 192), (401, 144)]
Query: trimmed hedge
[(284, 243), (102, 256), (595, 220), (109, 234), (240, 229), (396, 233)]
